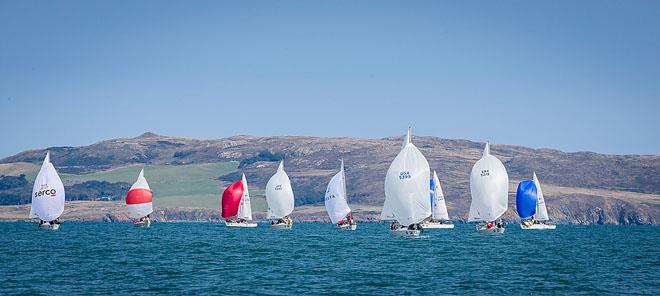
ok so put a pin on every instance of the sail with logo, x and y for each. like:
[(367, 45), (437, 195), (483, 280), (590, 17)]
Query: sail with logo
[(236, 206), (407, 190), (279, 196), (439, 214), (532, 210), (336, 201), (139, 201), (489, 187), (47, 196)]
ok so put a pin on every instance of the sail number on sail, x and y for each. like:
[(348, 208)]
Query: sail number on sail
[(404, 175), (485, 173)]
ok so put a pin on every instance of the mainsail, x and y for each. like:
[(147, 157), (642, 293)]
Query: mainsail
[(245, 208), (279, 194), (231, 199), (439, 208), (541, 210), (406, 186), (526, 197), (335, 197), (47, 193), (489, 187), (139, 198)]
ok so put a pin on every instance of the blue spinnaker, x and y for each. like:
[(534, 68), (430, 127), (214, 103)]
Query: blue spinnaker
[(526, 198)]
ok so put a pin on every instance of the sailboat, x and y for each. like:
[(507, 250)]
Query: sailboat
[(439, 214), (336, 203), (407, 191), (47, 196), (489, 187), (139, 202), (279, 197), (236, 207), (534, 213)]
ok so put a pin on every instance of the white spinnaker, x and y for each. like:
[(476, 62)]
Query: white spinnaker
[(541, 210), (489, 187), (136, 211), (47, 193), (335, 197), (439, 206), (279, 194), (407, 186), (245, 207)]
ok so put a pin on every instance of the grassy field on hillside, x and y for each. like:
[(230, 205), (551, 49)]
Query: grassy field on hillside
[(194, 185)]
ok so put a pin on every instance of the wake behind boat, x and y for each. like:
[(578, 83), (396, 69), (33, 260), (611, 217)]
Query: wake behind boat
[(530, 205), (139, 201), (407, 191), (489, 187), (279, 196), (236, 206), (47, 196), (336, 203), (439, 214)]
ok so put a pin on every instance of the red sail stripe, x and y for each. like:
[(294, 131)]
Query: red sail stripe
[(231, 199), (138, 196)]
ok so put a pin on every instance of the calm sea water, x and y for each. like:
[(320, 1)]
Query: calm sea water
[(314, 258)]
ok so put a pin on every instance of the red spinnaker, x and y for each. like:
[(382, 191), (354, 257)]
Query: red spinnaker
[(138, 196), (231, 199)]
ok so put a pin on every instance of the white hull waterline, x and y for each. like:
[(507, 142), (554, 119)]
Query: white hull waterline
[(490, 231), (49, 226), (347, 226), (437, 225), (142, 224), (240, 224), (405, 232), (282, 225), (539, 226)]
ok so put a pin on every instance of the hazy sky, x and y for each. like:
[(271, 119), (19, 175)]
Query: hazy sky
[(570, 75)]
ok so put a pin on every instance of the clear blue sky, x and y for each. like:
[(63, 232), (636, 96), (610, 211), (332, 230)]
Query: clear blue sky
[(570, 75)]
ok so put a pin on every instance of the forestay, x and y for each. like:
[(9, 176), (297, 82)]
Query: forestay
[(47, 193), (489, 187), (406, 186), (279, 194), (335, 197)]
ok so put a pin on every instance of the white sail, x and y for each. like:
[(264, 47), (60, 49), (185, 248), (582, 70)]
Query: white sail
[(245, 207), (489, 187), (439, 206), (541, 210), (47, 193), (407, 186), (279, 194), (335, 197), (139, 198)]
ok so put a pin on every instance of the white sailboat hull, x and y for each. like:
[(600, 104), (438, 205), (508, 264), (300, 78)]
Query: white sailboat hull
[(347, 226), (142, 224), (437, 225), (405, 232), (490, 231), (539, 226), (240, 224), (282, 226), (49, 226)]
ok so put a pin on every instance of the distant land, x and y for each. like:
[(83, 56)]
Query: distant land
[(188, 175)]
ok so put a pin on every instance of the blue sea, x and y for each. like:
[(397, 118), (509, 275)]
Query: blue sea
[(317, 259)]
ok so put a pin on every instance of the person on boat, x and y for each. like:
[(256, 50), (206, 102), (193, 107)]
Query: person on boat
[(56, 221), (489, 225)]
